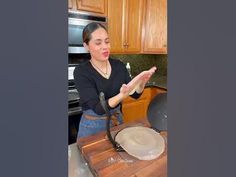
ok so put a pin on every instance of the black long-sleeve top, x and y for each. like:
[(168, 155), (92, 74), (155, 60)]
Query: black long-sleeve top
[(90, 83)]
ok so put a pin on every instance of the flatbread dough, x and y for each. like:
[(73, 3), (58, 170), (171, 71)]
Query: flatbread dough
[(141, 142)]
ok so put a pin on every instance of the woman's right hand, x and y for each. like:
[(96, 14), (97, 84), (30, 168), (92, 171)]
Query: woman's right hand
[(125, 90)]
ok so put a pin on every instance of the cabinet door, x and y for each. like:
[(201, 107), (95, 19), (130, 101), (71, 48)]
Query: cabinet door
[(97, 6), (69, 4), (133, 16), (156, 91), (135, 110), (116, 25), (155, 25), (125, 25), (72, 5)]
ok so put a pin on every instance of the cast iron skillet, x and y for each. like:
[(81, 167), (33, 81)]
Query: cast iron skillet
[(157, 112)]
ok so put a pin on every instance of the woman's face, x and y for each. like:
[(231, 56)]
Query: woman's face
[(99, 45)]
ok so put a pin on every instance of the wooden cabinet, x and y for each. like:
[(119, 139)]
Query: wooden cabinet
[(125, 25), (137, 109), (155, 91), (134, 26), (155, 27), (95, 6), (70, 5)]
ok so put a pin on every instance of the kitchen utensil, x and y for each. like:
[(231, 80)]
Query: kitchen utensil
[(157, 112)]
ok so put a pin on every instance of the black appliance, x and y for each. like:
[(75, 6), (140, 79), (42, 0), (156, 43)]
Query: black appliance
[(74, 109), (157, 112), (76, 22)]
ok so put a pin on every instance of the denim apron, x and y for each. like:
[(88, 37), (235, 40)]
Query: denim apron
[(89, 127)]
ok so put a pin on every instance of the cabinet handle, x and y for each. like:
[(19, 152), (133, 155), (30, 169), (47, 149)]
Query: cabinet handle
[(126, 45), (164, 45)]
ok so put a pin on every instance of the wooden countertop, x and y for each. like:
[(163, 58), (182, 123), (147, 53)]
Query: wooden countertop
[(104, 161)]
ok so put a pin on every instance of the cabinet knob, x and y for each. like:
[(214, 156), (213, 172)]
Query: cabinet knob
[(126, 44), (164, 45)]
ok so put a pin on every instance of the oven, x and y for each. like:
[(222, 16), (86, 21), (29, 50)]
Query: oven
[(74, 108), (76, 22)]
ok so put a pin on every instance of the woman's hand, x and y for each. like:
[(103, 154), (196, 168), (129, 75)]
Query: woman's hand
[(125, 90), (138, 83), (144, 79)]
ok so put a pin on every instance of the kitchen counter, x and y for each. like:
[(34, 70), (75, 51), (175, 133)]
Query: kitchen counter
[(158, 81), (103, 160), (77, 167)]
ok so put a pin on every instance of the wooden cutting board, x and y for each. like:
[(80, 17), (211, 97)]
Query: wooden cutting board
[(104, 161)]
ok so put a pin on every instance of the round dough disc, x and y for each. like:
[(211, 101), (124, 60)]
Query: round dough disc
[(141, 142)]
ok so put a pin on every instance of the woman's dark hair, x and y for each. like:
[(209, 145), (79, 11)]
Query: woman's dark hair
[(89, 29)]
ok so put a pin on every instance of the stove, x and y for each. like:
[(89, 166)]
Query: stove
[(74, 108)]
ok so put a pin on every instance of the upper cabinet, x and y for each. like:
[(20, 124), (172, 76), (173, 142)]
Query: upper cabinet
[(70, 5), (155, 27), (134, 26), (95, 6), (125, 25)]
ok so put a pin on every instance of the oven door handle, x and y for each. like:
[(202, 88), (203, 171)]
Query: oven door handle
[(75, 111)]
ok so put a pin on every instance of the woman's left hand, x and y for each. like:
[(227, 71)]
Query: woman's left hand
[(145, 79), (138, 83)]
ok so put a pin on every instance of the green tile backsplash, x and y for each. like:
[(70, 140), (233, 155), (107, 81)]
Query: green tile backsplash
[(140, 62)]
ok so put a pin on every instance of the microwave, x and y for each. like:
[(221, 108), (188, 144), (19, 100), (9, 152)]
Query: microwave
[(76, 23)]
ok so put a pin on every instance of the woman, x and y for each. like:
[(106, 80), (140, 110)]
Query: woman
[(103, 74)]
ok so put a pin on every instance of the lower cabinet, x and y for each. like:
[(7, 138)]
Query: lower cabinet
[(137, 109)]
